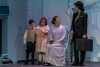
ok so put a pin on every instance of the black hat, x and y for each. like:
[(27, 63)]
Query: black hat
[(80, 5)]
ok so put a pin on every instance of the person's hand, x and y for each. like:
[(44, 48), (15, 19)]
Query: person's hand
[(84, 36), (71, 32), (51, 42), (55, 42)]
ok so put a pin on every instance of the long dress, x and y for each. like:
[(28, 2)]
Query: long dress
[(41, 39), (55, 53)]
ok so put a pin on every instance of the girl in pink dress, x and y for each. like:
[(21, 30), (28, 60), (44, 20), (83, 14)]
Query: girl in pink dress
[(41, 39)]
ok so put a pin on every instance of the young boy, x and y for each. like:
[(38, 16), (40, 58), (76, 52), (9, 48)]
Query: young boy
[(29, 39)]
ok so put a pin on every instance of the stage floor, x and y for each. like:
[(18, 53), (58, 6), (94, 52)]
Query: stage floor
[(87, 64)]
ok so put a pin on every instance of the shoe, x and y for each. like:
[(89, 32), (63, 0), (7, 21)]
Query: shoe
[(45, 64), (81, 64), (39, 63), (32, 63), (48, 64), (26, 63), (75, 64)]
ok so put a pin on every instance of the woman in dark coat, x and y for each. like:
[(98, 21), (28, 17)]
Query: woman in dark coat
[(79, 31)]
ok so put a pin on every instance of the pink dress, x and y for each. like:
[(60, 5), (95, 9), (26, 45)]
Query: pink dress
[(41, 39)]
